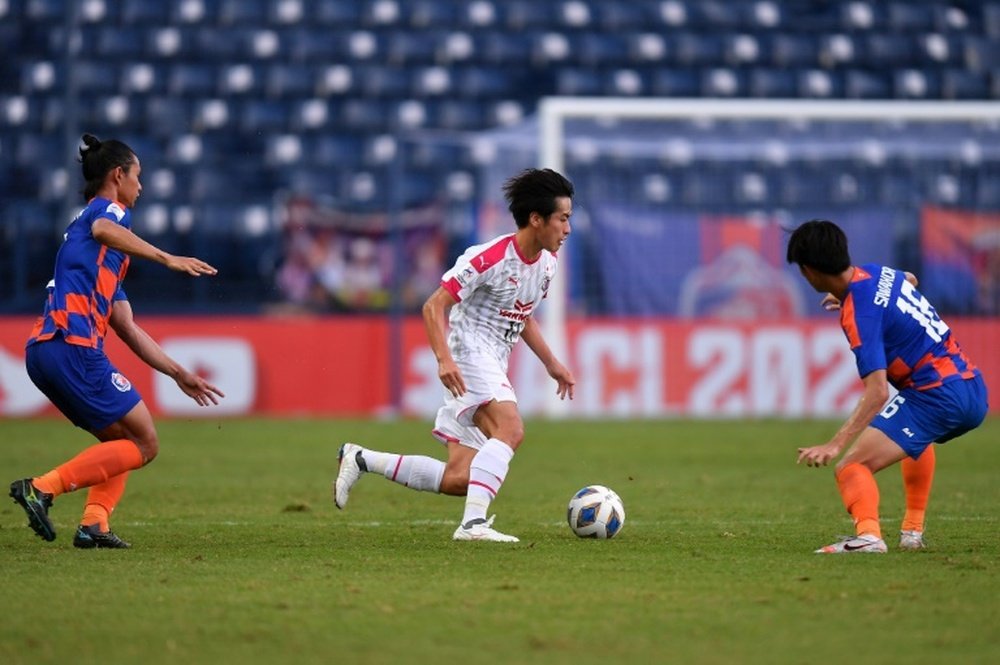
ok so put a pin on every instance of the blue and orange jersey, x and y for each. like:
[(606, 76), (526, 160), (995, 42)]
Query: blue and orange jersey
[(87, 280), (890, 325)]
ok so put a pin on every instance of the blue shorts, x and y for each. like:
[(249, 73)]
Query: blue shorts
[(914, 419), (81, 382)]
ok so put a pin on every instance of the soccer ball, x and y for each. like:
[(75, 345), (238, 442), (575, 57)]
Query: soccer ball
[(596, 512)]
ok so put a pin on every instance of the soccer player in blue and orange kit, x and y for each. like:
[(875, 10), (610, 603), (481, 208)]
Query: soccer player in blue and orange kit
[(65, 352), (897, 338)]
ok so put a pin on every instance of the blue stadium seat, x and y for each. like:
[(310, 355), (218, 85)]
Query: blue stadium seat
[(910, 17), (243, 12), (916, 84), (192, 80), (599, 50), (680, 82), (890, 50), (793, 50), (337, 12), (113, 42), (167, 115), (622, 17), (962, 84), (383, 81), (772, 83), (95, 76), (504, 48), (578, 81), (259, 115), (337, 150), (861, 84), (142, 12), (460, 114), (698, 49), (527, 14), (405, 47), (981, 53), (290, 80), (433, 14), (484, 82), (365, 114)]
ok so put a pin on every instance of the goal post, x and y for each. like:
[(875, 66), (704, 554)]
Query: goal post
[(554, 141)]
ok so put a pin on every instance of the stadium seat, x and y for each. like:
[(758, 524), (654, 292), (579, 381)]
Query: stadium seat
[(95, 77), (263, 116), (459, 114), (578, 81), (365, 114), (407, 47), (432, 14), (599, 50), (890, 50), (243, 12), (793, 50), (909, 17), (113, 42), (962, 84), (675, 83), (336, 13), (289, 80), (772, 83), (141, 12), (383, 81), (521, 15), (862, 84), (192, 80), (698, 49)]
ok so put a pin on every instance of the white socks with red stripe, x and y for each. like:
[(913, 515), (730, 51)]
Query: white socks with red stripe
[(414, 471), (486, 475)]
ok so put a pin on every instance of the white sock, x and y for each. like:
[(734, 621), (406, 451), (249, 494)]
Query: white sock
[(486, 475), (415, 471)]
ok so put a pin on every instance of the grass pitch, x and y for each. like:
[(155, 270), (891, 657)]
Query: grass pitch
[(240, 556)]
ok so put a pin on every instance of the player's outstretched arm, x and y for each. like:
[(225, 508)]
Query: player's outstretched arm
[(870, 403), (117, 237), (435, 313), (532, 336), (146, 348)]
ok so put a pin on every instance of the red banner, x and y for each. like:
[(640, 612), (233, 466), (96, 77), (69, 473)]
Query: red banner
[(624, 368)]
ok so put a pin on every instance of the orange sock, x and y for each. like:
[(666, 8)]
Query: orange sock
[(91, 467), (50, 483), (860, 494), (918, 474), (102, 499)]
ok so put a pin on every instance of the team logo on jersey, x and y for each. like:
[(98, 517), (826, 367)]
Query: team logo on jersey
[(464, 276), (521, 311), (120, 382), (116, 210)]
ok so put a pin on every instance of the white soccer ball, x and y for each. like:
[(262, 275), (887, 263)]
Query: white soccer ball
[(596, 512)]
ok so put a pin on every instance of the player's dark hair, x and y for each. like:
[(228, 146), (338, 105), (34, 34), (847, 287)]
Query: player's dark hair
[(535, 190), (821, 245), (99, 158)]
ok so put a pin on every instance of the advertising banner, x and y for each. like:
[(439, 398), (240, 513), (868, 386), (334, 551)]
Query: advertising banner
[(625, 368)]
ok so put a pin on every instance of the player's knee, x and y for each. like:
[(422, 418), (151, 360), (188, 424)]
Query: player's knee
[(455, 481), (149, 446)]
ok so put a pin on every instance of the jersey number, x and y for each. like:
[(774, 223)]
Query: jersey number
[(910, 302), (890, 409)]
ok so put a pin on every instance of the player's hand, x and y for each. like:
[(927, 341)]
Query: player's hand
[(190, 265), (564, 378), (198, 389), (451, 377), (831, 303), (818, 455)]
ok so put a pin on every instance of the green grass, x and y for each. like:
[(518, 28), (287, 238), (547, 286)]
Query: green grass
[(240, 556)]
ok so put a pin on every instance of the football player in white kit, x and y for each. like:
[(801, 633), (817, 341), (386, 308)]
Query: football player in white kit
[(492, 292)]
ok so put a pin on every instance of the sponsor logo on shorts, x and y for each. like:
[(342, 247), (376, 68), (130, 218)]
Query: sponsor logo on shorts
[(120, 382)]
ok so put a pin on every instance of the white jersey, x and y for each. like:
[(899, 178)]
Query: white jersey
[(496, 290)]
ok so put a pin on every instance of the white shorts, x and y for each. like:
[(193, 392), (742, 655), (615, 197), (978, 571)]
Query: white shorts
[(485, 381)]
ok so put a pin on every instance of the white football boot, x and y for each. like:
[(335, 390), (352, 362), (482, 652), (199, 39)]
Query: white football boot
[(351, 468), (911, 540), (482, 530), (863, 544)]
